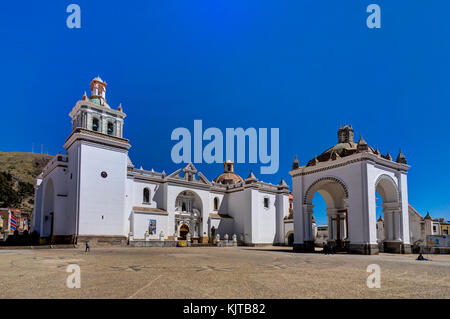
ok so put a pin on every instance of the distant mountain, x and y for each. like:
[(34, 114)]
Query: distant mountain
[(18, 172)]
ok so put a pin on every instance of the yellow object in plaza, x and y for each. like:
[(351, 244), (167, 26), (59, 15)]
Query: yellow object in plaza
[(182, 243)]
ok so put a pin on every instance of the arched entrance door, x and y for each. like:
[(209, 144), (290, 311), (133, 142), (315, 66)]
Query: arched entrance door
[(184, 230), (188, 214)]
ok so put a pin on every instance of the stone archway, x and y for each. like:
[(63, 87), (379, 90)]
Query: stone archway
[(348, 175), (387, 188), (335, 193)]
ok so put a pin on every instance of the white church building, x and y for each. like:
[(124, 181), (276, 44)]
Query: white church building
[(94, 192)]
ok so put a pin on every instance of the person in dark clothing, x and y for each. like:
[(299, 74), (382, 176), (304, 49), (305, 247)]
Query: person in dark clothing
[(420, 257), (325, 249), (88, 246), (331, 249)]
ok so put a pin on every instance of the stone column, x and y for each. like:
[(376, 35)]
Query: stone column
[(89, 121), (393, 242), (343, 228), (346, 207), (307, 215), (388, 225), (331, 213), (334, 227), (100, 124), (397, 224), (119, 129), (330, 227)]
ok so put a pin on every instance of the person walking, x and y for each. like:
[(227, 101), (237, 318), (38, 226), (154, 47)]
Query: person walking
[(325, 249), (88, 246), (331, 249)]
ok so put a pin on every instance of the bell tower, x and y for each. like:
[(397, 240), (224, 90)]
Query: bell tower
[(228, 166), (98, 90), (97, 166), (345, 134), (94, 113)]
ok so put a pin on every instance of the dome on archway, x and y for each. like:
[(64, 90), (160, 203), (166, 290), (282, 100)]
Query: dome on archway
[(228, 176), (345, 147)]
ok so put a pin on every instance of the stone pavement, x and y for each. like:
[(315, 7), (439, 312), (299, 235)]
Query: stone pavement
[(213, 272)]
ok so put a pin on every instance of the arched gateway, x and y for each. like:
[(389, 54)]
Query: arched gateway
[(188, 214), (348, 175)]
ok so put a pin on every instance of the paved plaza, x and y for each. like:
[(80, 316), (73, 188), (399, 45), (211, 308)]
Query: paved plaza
[(213, 272)]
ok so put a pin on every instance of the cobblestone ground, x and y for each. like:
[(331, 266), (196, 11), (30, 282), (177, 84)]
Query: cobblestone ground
[(213, 272)]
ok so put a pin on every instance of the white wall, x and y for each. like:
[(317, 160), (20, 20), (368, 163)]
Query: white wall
[(225, 226), (137, 192), (282, 211), (141, 222), (239, 207), (264, 220), (102, 200), (288, 228), (416, 227), (222, 203), (403, 187), (55, 202), (73, 176), (37, 210)]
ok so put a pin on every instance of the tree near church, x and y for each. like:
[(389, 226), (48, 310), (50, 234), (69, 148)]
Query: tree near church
[(9, 197)]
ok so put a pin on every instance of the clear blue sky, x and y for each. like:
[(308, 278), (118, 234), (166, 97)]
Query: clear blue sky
[(303, 66)]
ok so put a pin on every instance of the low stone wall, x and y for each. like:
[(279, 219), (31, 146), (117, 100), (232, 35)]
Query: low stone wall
[(257, 245), (226, 244), (153, 243), (396, 248), (96, 241), (363, 249), (63, 239), (306, 247)]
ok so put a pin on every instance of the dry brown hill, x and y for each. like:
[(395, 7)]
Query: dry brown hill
[(24, 167)]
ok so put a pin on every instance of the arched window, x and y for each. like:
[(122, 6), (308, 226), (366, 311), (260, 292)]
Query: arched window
[(146, 195), (216, 203), (95, 124), (266, 202), (110, 128)]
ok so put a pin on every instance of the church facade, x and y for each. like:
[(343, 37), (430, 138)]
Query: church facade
[(94, 192)]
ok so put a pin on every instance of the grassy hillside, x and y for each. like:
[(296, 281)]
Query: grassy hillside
[(19, 173)]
